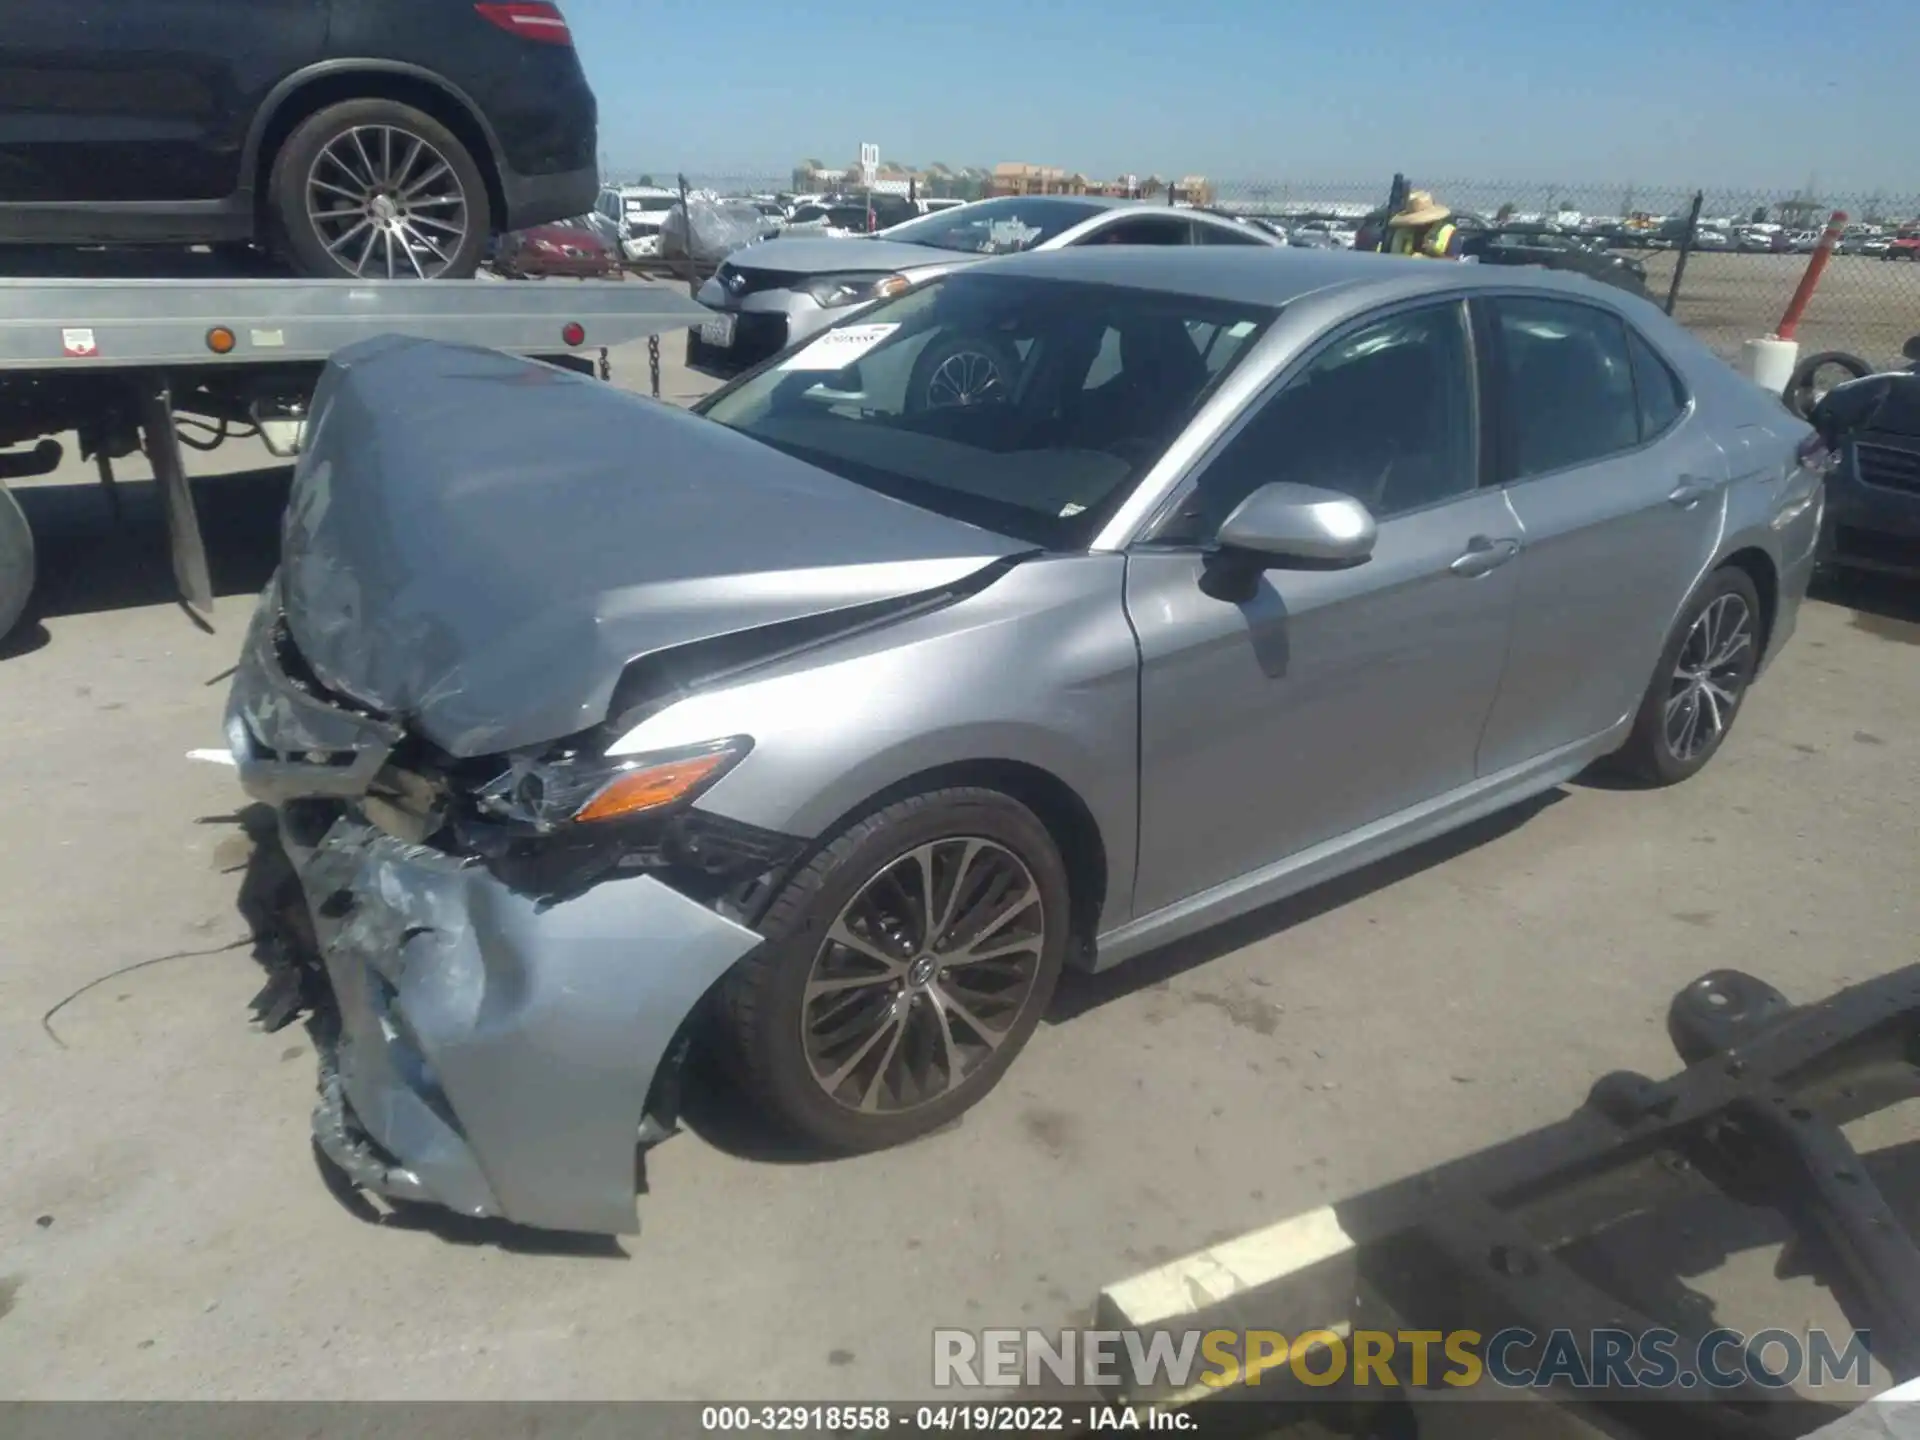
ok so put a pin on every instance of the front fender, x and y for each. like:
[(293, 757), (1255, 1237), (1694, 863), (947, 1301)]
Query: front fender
[(1040, 669)]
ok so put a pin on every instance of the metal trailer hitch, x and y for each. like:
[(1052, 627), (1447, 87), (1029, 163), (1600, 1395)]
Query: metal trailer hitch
[(1491, 1241)]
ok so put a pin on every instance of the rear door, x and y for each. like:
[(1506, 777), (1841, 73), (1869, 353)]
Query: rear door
[(1621, 495), (107, 101)]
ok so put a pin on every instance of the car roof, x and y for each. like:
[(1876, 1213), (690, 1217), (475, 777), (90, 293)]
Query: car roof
[(1273, 276)]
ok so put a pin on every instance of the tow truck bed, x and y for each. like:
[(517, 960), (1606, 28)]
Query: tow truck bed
[(118, 324), (118, 358)]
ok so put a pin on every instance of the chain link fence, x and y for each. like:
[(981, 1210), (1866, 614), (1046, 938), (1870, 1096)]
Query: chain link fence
[(1749, 248)]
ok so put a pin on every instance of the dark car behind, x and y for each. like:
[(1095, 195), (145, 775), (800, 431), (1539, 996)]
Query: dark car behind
[(1555, 251), (1872, 519), (359, 137)]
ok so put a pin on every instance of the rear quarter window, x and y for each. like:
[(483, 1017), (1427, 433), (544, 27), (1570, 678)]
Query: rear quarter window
[(1658, 388)]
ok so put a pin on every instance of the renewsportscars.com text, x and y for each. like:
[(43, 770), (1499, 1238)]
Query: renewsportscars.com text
[(1511, 1359)]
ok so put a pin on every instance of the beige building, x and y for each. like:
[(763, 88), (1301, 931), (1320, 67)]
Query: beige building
[(1020, 178)]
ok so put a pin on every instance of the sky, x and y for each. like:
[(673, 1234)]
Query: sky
[(1760, 93)]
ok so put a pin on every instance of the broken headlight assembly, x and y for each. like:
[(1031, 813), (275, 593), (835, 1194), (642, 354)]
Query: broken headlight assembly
[(581, 788), (553, 826)]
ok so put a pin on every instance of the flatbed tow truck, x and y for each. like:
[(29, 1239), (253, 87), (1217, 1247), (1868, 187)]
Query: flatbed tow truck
[(137, 351)]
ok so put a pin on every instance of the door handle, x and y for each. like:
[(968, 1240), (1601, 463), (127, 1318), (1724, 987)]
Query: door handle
[(1482, 555), (1691, 491)]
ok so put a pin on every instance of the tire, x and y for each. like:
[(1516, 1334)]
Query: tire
[(16, 562), (960, 371), (364, 156), (1799, 395), (850, 886), (1651, 753)]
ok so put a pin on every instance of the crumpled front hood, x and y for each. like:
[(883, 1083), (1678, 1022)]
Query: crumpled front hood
[(478, 545), (845, 254)]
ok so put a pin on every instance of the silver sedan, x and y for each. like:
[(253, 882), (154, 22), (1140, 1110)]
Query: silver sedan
[(827, 724), (782, 291)]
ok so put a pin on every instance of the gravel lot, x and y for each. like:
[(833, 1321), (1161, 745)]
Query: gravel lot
[(1865, 305), (164, 1231)]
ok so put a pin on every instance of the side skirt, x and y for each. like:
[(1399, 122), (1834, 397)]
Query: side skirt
[(1361, 847)]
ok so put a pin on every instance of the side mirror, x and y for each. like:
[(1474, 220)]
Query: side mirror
[(1912, 349), (1300, 527)]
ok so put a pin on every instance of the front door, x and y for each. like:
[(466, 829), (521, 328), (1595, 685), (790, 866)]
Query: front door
[(1330, 698), (140, 100), (1621, 494)]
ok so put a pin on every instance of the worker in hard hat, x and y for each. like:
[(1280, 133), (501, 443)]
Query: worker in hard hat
[(1423, 229)]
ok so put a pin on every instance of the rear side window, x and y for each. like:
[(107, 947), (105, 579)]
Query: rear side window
[(1662, 395), (1207, 234), (1144, 230), (1567, 383)]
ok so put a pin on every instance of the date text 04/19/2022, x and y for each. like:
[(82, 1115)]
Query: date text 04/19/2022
[(940, 1419)]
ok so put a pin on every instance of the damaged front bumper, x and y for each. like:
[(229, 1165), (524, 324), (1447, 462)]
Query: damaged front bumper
[(495, 1052)]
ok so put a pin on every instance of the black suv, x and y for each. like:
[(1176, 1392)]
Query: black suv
[(371, 138)]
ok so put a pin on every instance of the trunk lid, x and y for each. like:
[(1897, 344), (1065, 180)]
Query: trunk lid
[(478, 545)]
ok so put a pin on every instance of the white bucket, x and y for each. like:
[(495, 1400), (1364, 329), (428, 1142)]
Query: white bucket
[(1769, 363)]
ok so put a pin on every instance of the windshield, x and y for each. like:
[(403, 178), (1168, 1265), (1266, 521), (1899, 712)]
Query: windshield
[(996, 227), (1025, 406)]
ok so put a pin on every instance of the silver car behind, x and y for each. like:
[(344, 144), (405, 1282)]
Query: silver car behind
[(768, 296)]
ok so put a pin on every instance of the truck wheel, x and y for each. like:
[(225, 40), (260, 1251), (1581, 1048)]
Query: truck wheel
[(16, 562), (903, 970), (377, 190)]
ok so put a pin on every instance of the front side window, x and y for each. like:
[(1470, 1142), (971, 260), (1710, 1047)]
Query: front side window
[(1227, 234), (1385, 414), (1566, 383), (1026, 406)]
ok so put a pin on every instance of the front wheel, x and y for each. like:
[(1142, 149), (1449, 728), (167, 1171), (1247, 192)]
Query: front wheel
[(376, 190), (1697, 689), (904, 968)]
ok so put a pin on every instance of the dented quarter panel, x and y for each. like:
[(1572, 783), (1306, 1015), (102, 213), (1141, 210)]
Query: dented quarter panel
[(542, 1026), (851, 718), (480, 543)]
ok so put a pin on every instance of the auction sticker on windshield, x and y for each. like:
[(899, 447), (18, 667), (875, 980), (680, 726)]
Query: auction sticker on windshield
[(838, 349)]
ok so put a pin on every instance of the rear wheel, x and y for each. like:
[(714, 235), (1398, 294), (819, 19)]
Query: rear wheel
[(377, 190), (904, 969), (1700, 683)]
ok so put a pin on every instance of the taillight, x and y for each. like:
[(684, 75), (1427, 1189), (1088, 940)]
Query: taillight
[(530, 19)]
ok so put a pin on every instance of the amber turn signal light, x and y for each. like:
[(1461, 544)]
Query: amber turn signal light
[(638, 791), (221, 340)]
